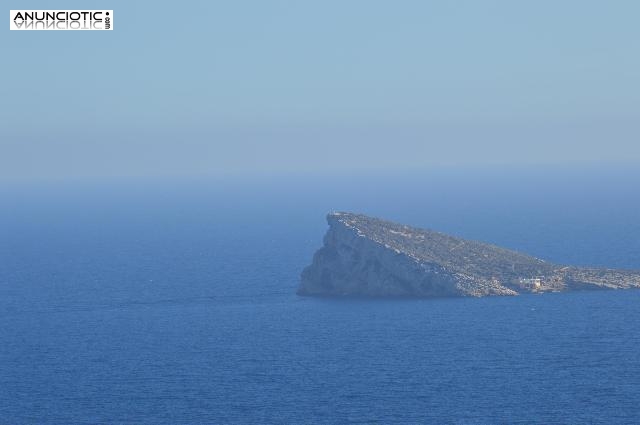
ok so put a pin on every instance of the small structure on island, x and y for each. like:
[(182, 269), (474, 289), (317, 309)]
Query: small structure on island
[(533, 284)]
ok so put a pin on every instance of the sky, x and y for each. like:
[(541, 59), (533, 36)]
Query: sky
[(253, 88)]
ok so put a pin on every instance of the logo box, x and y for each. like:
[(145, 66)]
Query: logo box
[(56, 20)]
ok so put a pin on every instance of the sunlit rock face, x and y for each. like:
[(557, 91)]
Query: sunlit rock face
[(365, 256)]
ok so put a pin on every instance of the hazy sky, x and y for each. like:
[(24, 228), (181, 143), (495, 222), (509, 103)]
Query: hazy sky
[(254, 87)]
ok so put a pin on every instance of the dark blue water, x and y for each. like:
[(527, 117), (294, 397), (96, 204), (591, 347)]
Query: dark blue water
[(157, 302)]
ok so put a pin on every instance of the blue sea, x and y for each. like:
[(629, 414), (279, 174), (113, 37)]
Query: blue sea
[(173, 302)]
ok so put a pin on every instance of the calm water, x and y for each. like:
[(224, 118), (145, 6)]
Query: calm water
[(150, 303)]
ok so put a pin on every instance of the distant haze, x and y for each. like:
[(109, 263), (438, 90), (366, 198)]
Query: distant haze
[(282, 87)]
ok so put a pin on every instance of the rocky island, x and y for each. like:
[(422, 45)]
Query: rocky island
[(365, 256)]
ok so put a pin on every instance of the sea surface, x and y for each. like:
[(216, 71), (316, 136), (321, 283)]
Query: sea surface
[(173, 302)]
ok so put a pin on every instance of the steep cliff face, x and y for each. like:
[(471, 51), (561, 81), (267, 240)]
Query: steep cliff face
[(364, 256)]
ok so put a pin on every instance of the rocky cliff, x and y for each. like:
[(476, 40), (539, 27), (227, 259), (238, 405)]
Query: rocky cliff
[(365, 256)]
